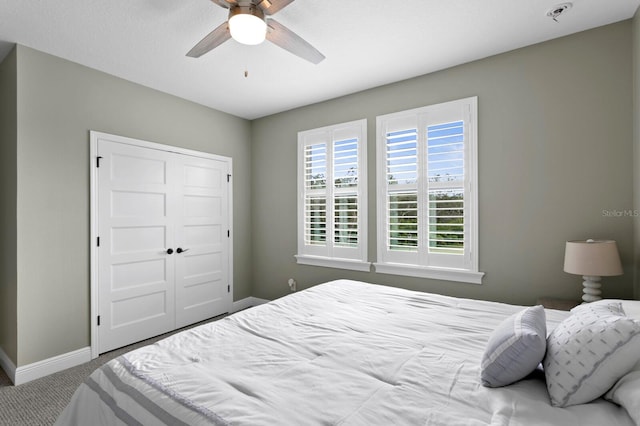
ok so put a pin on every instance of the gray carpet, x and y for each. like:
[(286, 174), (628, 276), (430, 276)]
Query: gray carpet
[(41, 401)]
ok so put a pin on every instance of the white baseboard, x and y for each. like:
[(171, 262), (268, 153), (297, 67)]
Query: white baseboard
[(7, 365), (52, 365), (247, 302)]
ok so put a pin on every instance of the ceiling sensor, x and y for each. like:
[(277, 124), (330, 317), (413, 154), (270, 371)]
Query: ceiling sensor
[(558, 10)]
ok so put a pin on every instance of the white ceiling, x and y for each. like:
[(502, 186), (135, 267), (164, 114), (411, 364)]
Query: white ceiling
[(367, 43)]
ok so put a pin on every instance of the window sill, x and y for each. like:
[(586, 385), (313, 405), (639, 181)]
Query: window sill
[(329, 262), (459, 275)]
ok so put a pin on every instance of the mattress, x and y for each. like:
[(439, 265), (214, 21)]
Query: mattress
[(339, 353)]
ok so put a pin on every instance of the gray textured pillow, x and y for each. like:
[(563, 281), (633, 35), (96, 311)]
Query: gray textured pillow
[(588, 352), (515, 348)]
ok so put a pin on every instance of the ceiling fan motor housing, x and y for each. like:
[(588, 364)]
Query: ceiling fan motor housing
[(250, 9)]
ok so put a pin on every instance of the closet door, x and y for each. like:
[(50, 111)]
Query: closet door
[(162, 222), (202, 240), (136, 289)]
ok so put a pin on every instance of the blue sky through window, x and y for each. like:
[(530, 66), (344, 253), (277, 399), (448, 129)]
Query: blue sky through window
[(402, 150), (445, 152), (345, 162)]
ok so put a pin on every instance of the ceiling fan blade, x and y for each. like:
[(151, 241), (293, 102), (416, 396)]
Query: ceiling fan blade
[(283, 37), (269, 7), (227, 4), (212, 40)]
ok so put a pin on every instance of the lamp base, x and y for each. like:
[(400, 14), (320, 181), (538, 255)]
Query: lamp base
[(591, 288)]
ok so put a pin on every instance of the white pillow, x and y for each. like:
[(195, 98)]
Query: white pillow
[(600, 307), (626, 393), (588, 352), (631, 308), (515, 348)]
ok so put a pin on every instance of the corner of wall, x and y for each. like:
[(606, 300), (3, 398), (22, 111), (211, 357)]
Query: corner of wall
[(635, 54), (8, 366), (8, 215)]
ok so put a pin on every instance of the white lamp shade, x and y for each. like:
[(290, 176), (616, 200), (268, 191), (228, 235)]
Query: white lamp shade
[(598, 258), (247, 29)]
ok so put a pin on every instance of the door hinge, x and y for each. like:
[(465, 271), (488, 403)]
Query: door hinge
[(228, 288), (228, 177), (98, 241), (98, 161), (228, 233), (98, 319)]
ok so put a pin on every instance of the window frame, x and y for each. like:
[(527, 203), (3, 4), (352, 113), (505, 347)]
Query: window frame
[(420, 263), (330, 255)]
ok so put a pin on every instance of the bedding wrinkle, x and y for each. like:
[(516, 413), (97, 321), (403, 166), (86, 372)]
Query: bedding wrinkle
[(345, 419), (454, 381), (244, 390), (503, 416), (242, 325)]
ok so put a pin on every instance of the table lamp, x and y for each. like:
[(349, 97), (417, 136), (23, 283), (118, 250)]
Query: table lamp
[(592, 259)]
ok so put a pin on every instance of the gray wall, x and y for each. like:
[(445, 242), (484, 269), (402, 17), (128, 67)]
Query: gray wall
[(555, 150), (8, 186), (58, 103)]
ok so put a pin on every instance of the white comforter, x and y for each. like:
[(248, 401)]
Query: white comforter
[(344, 353)]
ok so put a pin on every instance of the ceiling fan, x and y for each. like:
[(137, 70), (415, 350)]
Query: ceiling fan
[(247, 24)]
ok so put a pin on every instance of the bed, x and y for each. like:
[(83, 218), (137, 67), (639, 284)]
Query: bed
[(342, 352)]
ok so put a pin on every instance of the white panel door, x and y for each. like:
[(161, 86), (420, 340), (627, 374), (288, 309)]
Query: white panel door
[(163, 226), (201, 227), (136, 290)]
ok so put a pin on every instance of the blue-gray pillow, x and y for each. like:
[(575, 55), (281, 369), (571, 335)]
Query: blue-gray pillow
[(515, 348)]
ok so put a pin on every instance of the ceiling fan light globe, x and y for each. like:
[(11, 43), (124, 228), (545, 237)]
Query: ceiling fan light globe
[(247, 29)]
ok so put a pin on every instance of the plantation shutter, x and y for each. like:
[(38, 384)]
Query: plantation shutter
[(402, 187), (426, 206), (345, 207), (315, 200), (332, 184), (445, 166)]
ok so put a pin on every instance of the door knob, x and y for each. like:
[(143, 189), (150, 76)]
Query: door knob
[(180, 250), (170, 251)]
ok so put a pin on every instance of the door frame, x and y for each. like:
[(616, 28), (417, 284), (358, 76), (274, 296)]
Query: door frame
[(94, 138)]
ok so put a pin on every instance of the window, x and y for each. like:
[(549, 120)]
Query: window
[(427, 192), (332, 226)]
